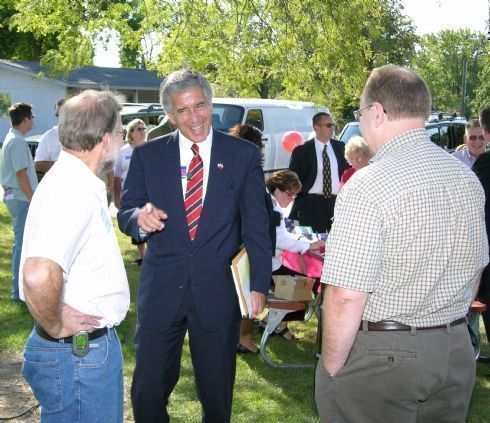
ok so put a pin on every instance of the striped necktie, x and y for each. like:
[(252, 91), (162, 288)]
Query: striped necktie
[(193, 194), (327, 177)]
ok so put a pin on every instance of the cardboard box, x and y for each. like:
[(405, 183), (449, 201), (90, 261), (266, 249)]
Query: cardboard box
[(293, 288)]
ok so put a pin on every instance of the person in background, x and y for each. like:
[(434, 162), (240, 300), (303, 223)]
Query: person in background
[(18, 179), (402, 265), (358, 154), (196, 195), (283, 187), (475, 143), (164, 127), (319, 164), (252, 134), (135, 136), (73, 280), (49, 146), (482, 171)]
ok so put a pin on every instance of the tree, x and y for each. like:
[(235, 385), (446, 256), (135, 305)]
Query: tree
[(450, 61)]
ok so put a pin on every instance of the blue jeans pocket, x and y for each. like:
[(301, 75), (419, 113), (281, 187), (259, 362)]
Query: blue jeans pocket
[(45, 381)]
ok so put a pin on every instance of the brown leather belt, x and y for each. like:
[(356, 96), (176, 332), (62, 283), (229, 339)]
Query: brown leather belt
[(391, 325)]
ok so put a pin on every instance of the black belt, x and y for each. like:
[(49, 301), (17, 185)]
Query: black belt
[(322, 196), (391, 325), (68, 340)]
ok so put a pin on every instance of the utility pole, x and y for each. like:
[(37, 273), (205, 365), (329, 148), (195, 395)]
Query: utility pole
[(463, 98)]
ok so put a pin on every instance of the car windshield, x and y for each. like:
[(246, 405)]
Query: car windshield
[(350, 130), (225, 116)]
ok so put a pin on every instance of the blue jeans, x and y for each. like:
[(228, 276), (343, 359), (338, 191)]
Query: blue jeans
[(76, 389), (18, 210)]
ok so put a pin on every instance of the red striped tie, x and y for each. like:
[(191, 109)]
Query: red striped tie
[(193, 195)]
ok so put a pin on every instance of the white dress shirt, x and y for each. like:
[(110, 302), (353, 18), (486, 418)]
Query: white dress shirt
[(317, 187), (186, 156)]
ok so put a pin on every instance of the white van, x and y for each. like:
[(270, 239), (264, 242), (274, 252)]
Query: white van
[(273, 117)]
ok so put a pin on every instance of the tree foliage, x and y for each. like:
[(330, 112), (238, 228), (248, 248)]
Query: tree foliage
[(452, 62), (317, 50)]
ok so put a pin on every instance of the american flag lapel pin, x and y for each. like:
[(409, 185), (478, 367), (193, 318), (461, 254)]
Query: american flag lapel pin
[(220, 166)]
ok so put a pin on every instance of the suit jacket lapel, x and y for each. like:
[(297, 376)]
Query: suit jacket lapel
[(171, 179)]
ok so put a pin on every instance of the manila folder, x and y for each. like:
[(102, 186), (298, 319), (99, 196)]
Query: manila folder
[(240, 269)]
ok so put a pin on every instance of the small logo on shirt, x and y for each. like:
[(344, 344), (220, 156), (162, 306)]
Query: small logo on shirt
[(183, 172), (105, 220)]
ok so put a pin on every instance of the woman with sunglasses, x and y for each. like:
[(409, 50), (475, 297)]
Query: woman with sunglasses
[(135, 136), (284, 186)]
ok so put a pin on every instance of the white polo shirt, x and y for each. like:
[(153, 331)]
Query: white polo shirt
[(69, 223)]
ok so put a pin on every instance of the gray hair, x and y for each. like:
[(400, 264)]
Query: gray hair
[(182, 80), (85, 118), (401, 92), (358, 145)]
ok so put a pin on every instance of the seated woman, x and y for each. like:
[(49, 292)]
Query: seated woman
[(283, 187), (357, 153)]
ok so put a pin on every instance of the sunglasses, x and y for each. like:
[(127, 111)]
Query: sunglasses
[(476, 137), (328, 125)]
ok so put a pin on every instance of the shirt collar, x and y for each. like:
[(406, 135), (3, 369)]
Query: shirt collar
[(79, 168), (204, 146), (398, 142)]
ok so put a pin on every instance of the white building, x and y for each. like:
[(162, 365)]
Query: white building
[(27, 82)]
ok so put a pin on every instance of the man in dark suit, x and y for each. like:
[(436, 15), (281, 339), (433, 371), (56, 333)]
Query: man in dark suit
[(319, 163), (482, 169), (196, 195)]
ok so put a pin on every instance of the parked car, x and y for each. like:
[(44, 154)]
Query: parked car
[(33, 142), (148, 113), (445, 130)]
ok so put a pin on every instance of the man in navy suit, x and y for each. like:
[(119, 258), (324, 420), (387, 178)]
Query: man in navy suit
[(319, 163), (186, 283)]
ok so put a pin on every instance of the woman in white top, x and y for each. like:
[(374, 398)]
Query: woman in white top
[(135, 136)]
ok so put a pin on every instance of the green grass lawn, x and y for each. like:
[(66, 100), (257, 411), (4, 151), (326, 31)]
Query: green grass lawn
[(261, 393)]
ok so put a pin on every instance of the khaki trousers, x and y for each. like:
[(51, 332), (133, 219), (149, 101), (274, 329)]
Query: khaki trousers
[(400, 377)]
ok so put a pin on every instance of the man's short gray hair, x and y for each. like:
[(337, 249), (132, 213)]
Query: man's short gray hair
[(182, 80), (85, 118)]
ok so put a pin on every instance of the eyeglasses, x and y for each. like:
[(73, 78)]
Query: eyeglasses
[(328, 125), (123, 132), (140, 129), (476, 137), (357, 113), (291, 196)]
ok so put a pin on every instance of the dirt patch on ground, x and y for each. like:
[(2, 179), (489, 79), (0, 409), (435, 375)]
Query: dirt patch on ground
[(16, 399), (15, 394)]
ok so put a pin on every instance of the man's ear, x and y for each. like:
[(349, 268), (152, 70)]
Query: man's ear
[(172, 120), (380, 115), (106, 141)]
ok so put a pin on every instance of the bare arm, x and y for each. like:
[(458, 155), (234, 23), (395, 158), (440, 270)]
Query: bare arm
[(342, 313), (43, 286), (24, 183), (43, 165)]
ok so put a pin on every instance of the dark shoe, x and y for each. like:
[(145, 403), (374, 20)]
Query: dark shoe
[(240, 349), (262, 326), (483, 360), (138, 261), (285, 331)]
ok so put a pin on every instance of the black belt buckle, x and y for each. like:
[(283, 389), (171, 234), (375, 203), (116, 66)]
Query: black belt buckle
[(80, 344)]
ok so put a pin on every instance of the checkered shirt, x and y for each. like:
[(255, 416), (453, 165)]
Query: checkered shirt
[(409, 230)]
